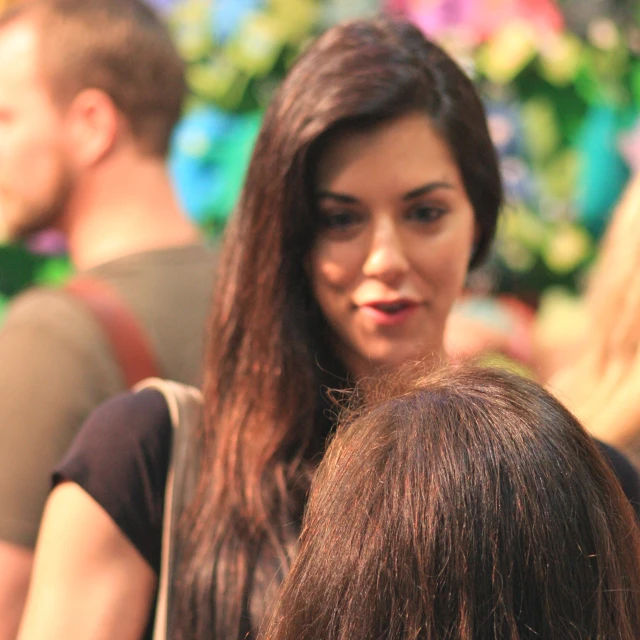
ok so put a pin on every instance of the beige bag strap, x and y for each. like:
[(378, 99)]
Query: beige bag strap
[(185, 409)]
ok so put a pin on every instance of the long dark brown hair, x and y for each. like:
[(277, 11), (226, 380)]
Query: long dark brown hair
[(473, 506), (268, 358)]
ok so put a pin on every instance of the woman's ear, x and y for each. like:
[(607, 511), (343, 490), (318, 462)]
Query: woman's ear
[(93, 121)]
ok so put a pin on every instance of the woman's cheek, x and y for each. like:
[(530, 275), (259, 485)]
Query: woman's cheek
[(335, 266), (447, 280)]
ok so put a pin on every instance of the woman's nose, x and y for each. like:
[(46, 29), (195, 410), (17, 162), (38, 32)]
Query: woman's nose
[(387, 259)]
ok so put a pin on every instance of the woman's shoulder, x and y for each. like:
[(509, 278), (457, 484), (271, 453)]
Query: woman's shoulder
[(120, 458), (118, 430)]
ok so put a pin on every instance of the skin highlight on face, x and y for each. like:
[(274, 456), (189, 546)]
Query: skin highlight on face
[(35, 173), (396, 230)]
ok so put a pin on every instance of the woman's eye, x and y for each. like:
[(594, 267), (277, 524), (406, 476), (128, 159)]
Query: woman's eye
[(338, 219), (426, 213)]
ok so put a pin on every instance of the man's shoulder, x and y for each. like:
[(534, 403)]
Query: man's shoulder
[(42, 305), (192, 256), (182, 273), (54, 319)]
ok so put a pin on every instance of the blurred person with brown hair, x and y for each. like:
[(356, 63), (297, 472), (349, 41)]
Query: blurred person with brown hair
[(466, 505), (600, 378), (89, 93)]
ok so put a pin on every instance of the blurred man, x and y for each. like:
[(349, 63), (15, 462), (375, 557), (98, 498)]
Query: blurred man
[(89, 93)]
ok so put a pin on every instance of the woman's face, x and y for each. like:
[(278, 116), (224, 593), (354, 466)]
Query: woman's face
[(394, 242)]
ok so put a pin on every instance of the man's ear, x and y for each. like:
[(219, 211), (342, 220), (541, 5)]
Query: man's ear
[(93, 121)]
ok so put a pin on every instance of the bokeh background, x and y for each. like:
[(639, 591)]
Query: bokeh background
[(560, 80)]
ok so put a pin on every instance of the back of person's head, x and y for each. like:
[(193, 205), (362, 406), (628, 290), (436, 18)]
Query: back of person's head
[(471, 506), (120, 47)]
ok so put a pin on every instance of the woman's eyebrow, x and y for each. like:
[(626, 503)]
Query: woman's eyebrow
[(414, 193), (339, 197), (425, 189)]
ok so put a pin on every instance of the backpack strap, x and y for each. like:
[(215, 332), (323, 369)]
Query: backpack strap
[(127, 338), (185, 409)]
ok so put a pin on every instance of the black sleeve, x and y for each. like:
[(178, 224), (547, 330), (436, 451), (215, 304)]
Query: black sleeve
[(120, 458), (627, 474)]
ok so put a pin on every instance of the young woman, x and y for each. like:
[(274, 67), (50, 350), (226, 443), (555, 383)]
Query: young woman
[(471, 506), (372, 189)]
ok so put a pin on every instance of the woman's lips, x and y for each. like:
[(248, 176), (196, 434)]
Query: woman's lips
[(389, 314)]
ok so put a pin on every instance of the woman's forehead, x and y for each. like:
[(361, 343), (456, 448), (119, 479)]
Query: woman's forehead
[(404, 152)]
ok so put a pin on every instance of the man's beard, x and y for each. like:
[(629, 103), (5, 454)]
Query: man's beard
[(33, 218)]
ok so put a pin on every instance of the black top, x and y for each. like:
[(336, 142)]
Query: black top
[(121, 458), (627, 474)]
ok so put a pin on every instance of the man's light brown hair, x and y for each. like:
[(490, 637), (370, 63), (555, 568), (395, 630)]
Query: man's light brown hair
[(120, 47)]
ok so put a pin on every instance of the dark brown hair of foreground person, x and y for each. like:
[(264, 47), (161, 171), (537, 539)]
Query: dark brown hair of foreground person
[(264, 426), (89, 44), (473, 506)]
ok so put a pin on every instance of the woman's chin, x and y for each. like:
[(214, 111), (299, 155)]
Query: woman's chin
[(391, 359)]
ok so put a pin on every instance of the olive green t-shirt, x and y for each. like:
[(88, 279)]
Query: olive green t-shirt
[(56, 366)]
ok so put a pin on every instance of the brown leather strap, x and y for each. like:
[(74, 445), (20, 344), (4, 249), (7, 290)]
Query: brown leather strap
[(127, 338)]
